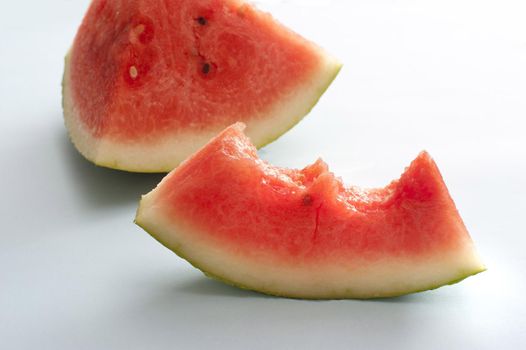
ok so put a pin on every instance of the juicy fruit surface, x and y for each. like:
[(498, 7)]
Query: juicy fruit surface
[(308, 214), (329, 240), (141, 69)]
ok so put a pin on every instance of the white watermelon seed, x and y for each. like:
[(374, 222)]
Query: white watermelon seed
[(133, 72), (139, 29)]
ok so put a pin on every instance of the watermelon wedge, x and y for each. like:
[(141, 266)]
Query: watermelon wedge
[(148, 82), (302, 233)]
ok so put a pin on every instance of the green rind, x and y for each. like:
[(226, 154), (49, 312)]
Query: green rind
[(463, 275), (63, 103), (115, 166), (337, 69)]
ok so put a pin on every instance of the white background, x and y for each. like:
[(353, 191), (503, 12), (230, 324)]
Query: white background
[(447, 76)]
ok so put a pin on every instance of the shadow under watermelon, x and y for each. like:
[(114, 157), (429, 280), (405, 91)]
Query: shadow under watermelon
[(205, 286), (102, 187)]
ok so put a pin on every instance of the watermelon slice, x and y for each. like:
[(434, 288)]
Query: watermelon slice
[(148, 82), (302, 233)]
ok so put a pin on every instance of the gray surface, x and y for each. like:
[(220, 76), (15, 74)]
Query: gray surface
[(447, 76)]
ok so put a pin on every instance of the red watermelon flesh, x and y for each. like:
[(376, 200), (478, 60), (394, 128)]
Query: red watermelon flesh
[(148, 82), (302, 233)]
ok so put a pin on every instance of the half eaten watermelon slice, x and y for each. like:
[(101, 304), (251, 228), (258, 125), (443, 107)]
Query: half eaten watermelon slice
[(148, 82), (302, 233)]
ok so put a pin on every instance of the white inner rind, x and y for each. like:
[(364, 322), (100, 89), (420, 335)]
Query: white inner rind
[(358, 278), (166, 153)]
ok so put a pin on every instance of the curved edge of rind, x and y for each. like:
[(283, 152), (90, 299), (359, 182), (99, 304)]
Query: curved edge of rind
[(274, 293), (334, 67), (144, 219)]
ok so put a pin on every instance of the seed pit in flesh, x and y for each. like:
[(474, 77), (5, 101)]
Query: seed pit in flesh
[(307, 200), (201, 20), (206, 68)]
